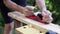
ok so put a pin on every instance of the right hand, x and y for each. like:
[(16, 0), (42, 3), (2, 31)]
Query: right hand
[(31, 8), (29, 11)]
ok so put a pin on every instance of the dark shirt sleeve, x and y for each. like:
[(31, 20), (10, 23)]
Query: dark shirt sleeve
[(20, 2), (23, 2)]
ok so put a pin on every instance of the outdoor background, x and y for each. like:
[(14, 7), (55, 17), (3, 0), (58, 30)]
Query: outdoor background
[(52, 5)]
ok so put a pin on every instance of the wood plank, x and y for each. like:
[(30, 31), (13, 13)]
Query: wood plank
[(28, 30), (42, 27)]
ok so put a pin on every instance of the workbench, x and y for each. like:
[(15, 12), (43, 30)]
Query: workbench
[(33, 27)]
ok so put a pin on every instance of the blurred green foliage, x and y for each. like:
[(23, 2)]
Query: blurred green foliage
[(1, 20), (54, 7), (1, 24)]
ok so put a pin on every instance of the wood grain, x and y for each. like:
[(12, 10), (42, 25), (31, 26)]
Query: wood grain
[(37, 25)]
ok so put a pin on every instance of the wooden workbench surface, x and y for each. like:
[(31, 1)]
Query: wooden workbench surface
[(28, 30), (35, 24)]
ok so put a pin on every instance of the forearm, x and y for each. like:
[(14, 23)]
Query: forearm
[(13, 6), (41, 4)]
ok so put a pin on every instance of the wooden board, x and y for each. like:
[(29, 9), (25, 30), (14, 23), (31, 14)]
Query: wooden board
[(39, 26), (27, 30)]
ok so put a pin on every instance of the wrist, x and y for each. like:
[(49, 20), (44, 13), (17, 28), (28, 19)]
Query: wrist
[(43, 10)]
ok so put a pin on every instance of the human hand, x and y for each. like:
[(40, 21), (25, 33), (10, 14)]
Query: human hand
[(30, 10), (47, 16)]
